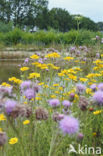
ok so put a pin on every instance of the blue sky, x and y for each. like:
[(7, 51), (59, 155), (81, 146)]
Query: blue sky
[(89, 8)]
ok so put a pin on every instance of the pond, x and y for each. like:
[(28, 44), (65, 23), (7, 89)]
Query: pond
[(8, 69)]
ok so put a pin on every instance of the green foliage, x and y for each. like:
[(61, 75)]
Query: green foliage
[(17, 36), (60, 19), (4, 27)]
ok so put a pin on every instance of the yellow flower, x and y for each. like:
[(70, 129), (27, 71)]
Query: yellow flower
[(98, 62), (40, 84), (45, 86), (13, 141), (34, 75), (37, 98), (25, 103), (60, 88), (76, 61), (89, 91), (83, 79), (72, 77), (1, 130), (97, 112), (34, 57), (53, 96), (5, 84), (26, 122), (24, 68), (52, 55), (83, 62), (44, 66), (57, 92), (18, 81), (12, 79), (94, 134), (61, 74), (55, 85), (2, 117), (68, 58)]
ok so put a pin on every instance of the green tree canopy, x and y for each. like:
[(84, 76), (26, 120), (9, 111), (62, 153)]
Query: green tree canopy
[(60, 19)]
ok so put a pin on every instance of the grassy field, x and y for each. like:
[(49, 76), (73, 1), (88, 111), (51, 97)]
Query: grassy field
[(57, 103)]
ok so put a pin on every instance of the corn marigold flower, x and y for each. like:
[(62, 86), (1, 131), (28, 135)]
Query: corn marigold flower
[(13, 140), (54, 102), (97, 112), (2, 117), (69, 125), (33, 75), (34, 56), (24, 68), (3, 138), (26, 122)]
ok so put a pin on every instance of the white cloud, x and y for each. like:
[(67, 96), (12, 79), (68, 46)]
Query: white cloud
[(89, 8)]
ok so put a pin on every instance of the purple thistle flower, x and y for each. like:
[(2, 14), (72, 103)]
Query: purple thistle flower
[(9, 106), (72, 49), (29, 93), (80, 88), (69, 125), (85, 59), (26, 60), (66, 103), (97, 37), (40, 61), (25, 85), (77, 53), (54, 102), (100, 86), (98, 98), (71, 96), (93, 87), (5, 91), (80, 137), (97, 55)]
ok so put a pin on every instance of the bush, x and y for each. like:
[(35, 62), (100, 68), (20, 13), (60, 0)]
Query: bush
[(6, 27), (16, 36)]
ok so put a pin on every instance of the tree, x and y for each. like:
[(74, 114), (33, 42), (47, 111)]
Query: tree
[(100, 26), (60, 19), (21, 12)]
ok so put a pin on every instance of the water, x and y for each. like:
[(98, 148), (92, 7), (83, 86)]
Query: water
[(8, 69)]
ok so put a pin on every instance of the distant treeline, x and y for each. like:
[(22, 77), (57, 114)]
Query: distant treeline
[(29, 14)]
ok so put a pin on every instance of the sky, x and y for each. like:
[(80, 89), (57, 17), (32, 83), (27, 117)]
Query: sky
[(89, 8)]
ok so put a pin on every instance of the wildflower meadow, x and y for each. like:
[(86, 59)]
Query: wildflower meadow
[(55, 108)]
